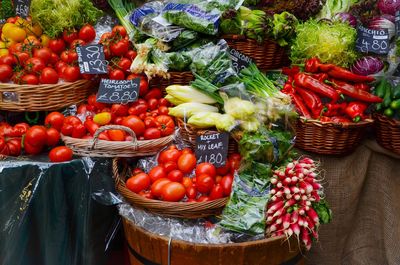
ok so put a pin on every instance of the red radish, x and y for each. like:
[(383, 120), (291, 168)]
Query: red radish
[(294, 189), (310, 223), (279, 212), (275, 207), (295, 180), (307, 160), (312, 175), (274, 181), (286, 190), (279, 233), (316, 186), (302, 211), (304, 197), (294, 217), (295, 228), (278, 221), (289, 232), (302, 191), (273, 191), (300, 220), (290, 203), (297, 197), (306, 186), (286, 221), (288, 196), (315, 195), (305, 237), (279, 185), (314, 234), (313, 215), (279, 194), (287, 181)]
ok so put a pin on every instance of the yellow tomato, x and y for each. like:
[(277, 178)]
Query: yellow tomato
[(45, 40), (8, 42), (34, 29), (7, 27), (4, 51), (21, 22), (3, 45), (16, 34), (102, 118)]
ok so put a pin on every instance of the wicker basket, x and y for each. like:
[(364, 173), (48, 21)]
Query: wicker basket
[(176, 78), (170, 209), (387, 133), (189, 134), (329, 138), (100, 148), (268, 55), (43, 97)]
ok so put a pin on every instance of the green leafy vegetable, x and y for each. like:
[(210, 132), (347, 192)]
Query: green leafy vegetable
[(7, 9), (332, 42), (323, 211), (56, 15), (207, 88), (185, 38)]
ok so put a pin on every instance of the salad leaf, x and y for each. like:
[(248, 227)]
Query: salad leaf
[(323, 211)]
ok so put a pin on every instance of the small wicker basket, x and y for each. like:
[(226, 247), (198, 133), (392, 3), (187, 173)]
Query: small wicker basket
[(387, 132), (176, 78), (267, 55), (171, 209), (100, 148), (43, 97), (329, 138)]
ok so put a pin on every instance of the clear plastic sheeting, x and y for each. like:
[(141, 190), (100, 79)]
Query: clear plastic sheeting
[(195, 231), (55, 213)]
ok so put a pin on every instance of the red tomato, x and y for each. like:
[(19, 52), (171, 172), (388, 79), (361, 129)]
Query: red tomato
[(217, 192), (64, 57), (34, 65), (48, 76), (150, 122), (224, 169), (92, 101), (6, 72), (163, 102), (206, 168), (72, 56), (186, 163), (169, 155), (152, 133), (17, 47), (204, 183), (54, 119), (136, 171), (187, 182), (70, 35), (187, 151), (43, 53), (32, 150), (173, 192), (22, 58), (226, 184), (60, 154), (117, 74), (157, 186), (105, 38), (57, 45), (14, 146), (191, 192), (235, 156), (60, 66), (118, 121), (218, 179), (203, 199), (156, 173), (119, 48), (36, 136), (54, 59), (77, 42), (119, 31), (138, 182), (78, 131), (146, 194), (124, 64), (175, 175), (116, 135), (107, 53), (131, 54), (8, 59), (169, 166), (141, 108), (163, 110), (53, 137), (166, 125), (135, 124), (119, 109), (87, 33), (234, 165), (153, 103), (71, 73), (29, 79), (154, 93)]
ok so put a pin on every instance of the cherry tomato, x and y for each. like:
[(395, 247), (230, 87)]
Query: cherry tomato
[(170, 155), (72, 56), (169, 166), (87, 33), (22, 58), (157, 186), (173, 192), (204, 183), (152, 133), (157, 172), (106, 38), (64, 57), (154, 93), (60, 154), (71, 73), (191, 192), (6, 72), (104, 136), (131, 54), (53, 137), (54, 59), (60, 66), (135, 124), (8, 59), (226, 184), (34, 65), (187, 182), (119, 31), (43, 53), (48, 76), (217, 192), (117, 74), (149, 122), (70, 35), (206, 168), (116, 135), (119, 48), (175, 175), (77, 42), (203, 199), (124, 64), (55, 120), (138, 182), (57, 45), (29, 79)]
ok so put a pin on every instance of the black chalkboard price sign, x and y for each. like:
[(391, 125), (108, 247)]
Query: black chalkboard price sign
[(212, 147), (22, 7), (118, 91), (91, 59), (372, 40), (239, 60)]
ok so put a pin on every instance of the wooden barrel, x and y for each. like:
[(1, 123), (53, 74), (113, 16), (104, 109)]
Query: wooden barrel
[(146, 248)]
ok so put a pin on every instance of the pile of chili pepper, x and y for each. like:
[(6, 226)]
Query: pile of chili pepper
[(328, 92)]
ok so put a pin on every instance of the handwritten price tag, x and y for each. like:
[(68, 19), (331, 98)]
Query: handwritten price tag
[(91, 59), (239, 60), (118, 91), (22, 7), (372, 41), (212, 148)]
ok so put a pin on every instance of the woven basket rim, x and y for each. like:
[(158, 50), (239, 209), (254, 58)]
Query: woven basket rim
[(244, 38), (12, 85), (384, 118), (363, 123)]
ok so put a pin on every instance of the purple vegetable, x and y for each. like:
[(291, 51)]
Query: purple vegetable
[(383, 23), (367, 65), (346, 17), (389, 6)]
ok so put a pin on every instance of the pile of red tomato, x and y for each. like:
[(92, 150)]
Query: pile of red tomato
[(147, 117), (178, 177)]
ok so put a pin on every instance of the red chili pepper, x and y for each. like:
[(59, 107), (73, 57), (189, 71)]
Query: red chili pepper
[(325, 119), (314, 65), (351, 91), (331, 110), (363, 86), (311, 100), (290, 71), (355, 110), (300, 106), (287, 88), (340, 119), (307, 81), (320, 77)]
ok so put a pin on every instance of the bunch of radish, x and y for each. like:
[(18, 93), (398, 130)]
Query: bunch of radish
[(295, 188)]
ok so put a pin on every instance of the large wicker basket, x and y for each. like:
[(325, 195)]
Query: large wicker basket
[(387, 132), (189, 134), (329, 138), (100, 148), (171, 209), (176, 78), (43, 97), (268, 55)]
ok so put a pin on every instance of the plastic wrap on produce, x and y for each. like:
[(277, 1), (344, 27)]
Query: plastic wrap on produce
[(61, 210), (196, 231)]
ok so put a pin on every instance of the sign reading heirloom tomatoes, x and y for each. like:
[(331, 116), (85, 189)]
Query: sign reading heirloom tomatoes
[(212, 147), (372, 40), (239, 60), (91, 59), (118, 91), (22, 7)]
